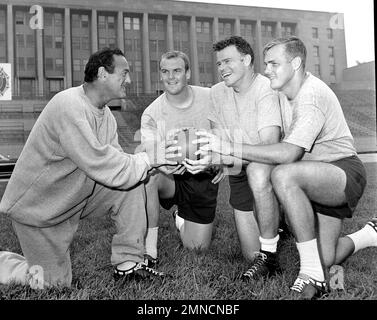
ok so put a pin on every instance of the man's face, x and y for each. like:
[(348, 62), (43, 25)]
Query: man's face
[(173, 75), (120, 78), (278, 67), (231, 66)]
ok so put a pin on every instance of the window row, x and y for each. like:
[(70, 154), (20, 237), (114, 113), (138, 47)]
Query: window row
[(329, 31), (316, 51)]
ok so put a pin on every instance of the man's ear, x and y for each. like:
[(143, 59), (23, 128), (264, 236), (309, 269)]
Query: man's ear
[(296, 63), (188, 74), (247, 59), (101, 73)]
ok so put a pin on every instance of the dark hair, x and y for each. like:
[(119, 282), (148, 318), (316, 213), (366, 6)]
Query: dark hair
[(177, 54), (101, 58), (240, 43), (293, 47)]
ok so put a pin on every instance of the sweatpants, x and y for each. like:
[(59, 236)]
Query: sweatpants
[(46, 259)]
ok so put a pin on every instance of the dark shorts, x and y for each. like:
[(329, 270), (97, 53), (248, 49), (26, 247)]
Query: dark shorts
[(195, 196), (241, 196), (355, 185)]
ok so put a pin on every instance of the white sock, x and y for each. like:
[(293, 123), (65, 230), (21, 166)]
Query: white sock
[(269, 245), (310, 262), (151, 242), (365, 237), (179, 222), (127, 265)]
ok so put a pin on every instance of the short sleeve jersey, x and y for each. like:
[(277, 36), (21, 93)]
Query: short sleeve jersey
[(242, 123), (160, 118), (314, 120)]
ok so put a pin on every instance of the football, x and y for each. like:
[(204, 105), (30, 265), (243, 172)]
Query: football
[(184, 139)]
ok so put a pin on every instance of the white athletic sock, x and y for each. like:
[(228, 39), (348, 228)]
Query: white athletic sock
[(269, 245), (179, 222), (127, 265), (365, 237), (151, 242), (310, 262)]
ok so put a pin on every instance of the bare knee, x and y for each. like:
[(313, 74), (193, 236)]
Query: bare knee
[(282, 176), (259, 176)]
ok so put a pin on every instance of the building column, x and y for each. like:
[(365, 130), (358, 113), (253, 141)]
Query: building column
[(10, 38), (120, 31), (169, 33), (40, 64), (278, 29), (194, 52), (259, 50), (215, 37), (237, 27), (94, 31), (67, 49), (298, 29), (146, 61)]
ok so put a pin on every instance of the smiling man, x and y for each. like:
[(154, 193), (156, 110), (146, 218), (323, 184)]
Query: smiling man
[(180, 106), (319, 178), (72, 166), (244, 109)]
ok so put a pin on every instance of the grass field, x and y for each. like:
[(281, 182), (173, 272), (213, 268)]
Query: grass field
[(196, 276)]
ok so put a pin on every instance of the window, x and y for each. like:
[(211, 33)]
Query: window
[(127, 23), (331, 52), (56, 85), (225, 28), (84, 21), (138, 66), (85, 43), (48, 64), (267, 30), (287, 29), (30, 63), (59, 65), (20, 18), (21, 63), (330, 34), (154, 66), (58, 42), (20, 40), (315, 33), (58, 19), (75, 42), (101, 21), (128, 45), (153, 45), (198, 26), (29, 41), (111, 22), (76, 65), (201, 67), (112, 43), (47, 19), (246, 30), (48, 41), (75, 21), (136, 23), (317, 69), (102, 42), (316, 51), (332, 70)]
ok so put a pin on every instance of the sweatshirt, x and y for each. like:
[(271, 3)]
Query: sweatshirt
[(71, 147)]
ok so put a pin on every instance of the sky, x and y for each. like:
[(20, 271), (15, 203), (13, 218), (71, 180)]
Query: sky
[(358, 21)]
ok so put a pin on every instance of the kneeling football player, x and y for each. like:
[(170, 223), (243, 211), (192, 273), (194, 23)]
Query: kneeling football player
[(180, 106)]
